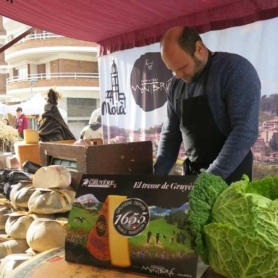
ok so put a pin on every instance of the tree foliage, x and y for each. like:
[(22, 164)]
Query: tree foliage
[(269, 104)]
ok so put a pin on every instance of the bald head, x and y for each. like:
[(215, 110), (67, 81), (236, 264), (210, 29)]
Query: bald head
[(184, 37), (183, 52), (171, 36)]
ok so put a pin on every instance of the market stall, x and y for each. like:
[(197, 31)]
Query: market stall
[(121, 30)]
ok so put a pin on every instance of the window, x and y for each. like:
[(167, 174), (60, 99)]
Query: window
[(81, 107), (22, 73)]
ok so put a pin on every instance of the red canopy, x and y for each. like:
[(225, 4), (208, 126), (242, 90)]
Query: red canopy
[(122, 24)]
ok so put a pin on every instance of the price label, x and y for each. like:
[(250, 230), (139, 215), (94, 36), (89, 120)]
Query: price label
[(131, 217)]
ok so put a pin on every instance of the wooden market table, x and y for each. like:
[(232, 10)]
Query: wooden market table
[(52, 264)]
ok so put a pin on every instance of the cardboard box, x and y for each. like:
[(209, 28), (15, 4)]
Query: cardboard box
[(124, 158), (136, 223), (26, 152)]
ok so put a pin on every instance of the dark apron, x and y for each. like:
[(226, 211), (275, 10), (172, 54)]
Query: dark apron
[(201, 137)]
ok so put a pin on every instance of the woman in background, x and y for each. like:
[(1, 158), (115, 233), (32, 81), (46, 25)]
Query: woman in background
[(6, 121)]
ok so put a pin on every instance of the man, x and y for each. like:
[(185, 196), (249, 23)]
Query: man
[(21, 122), (213, 108)]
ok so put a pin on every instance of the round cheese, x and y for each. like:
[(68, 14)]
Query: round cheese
[(20, 195), (52, 176), (4, 210), (45, 234), (12, 246), (17, 225), (49, 201)]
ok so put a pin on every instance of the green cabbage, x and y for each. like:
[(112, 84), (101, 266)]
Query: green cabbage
[(240, 236)]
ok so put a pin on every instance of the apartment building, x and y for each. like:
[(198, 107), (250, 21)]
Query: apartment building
[(42, 60)]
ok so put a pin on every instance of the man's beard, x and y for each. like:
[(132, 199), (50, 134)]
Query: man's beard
[(198, 69)]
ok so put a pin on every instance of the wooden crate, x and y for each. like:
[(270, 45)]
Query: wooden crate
[(123, 158)]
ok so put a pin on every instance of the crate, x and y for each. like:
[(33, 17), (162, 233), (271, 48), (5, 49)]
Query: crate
[(122, 158)]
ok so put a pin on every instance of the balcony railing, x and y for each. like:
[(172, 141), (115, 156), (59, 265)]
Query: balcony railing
[(40, 36), (32, 78)]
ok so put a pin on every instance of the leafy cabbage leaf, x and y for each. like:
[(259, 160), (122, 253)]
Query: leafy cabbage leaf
[(237, 255)]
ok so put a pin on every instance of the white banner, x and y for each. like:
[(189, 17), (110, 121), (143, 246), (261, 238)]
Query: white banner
[(134, 82), (133, 94)]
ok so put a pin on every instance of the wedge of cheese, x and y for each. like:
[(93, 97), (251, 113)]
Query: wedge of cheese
[(104, 242)]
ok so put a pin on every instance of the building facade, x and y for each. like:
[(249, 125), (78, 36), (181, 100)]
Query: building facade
[(43, 60)]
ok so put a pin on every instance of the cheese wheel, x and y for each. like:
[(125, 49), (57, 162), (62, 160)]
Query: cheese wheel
[(45, 234), (52, 176), (20, 194), (49, 201), (4, 210), (17, 225), (12, 246)]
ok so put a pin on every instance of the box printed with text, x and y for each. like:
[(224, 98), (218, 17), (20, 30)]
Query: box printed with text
[(134, 222)]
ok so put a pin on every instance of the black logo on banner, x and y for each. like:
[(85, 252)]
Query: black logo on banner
[(115, 103), (149, 81)]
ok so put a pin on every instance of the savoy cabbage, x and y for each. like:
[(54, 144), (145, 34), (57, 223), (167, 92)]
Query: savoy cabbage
[(240, 234)]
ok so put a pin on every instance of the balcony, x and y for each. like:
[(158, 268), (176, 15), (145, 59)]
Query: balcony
[(39, 45), (86, 82)]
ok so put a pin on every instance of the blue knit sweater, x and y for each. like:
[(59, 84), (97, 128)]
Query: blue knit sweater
[(233, 90)]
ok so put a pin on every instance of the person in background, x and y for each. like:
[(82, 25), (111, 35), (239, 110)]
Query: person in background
[(94, 115), (52, 125), (21, 122), (213, 108), (6, 121), (6, 145), (93, 130)]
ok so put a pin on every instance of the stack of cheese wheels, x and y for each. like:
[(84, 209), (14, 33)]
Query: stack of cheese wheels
[(49, 193), (53, 193)]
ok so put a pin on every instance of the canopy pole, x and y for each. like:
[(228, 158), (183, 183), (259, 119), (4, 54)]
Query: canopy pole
[(15, 40)]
